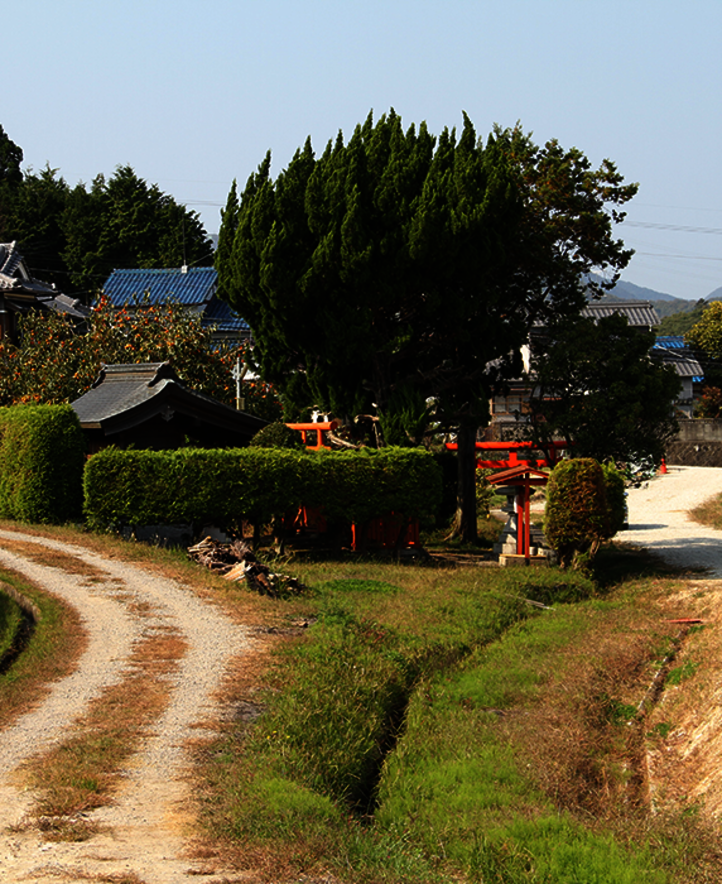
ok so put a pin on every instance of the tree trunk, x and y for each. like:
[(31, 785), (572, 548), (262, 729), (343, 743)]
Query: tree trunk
[(464, 525)]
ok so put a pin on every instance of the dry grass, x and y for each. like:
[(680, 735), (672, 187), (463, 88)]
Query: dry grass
[(709, 513), (52, 558), (84, 771)]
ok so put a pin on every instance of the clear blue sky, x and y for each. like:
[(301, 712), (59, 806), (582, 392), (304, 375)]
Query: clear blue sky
[(193, 94)]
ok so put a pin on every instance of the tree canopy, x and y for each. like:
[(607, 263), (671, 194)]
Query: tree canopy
[(400, 269), (596, 386), (706, 334), (56, 361), (74, 237)]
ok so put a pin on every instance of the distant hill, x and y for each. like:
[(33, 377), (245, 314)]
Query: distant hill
[(628, 291), (664, 304)]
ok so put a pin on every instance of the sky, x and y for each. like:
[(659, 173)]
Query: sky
[(192, 95)]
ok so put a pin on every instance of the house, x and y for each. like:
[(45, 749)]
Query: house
[(672, 350), (20, 292), (148, 406), (192, 287), (510, 410)]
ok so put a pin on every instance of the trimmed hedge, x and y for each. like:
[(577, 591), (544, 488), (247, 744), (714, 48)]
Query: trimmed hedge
[(42, 454), (225, 486)]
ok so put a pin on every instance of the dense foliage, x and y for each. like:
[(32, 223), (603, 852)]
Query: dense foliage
[(42, 455), (74, 237), (56, 361), (227, 486), (577, 516), (596, 386), (680, 323), (277, 435), (399, 271), (706, 334)]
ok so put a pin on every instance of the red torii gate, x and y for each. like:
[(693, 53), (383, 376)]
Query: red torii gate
[(549, 450), (525, 478)]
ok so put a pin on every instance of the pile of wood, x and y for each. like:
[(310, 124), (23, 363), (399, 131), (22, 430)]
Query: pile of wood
[(236, 561)]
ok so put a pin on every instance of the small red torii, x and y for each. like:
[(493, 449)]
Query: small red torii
[(524, 478)]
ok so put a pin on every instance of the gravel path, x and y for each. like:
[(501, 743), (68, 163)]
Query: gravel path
[(145, 824), (659, 520)]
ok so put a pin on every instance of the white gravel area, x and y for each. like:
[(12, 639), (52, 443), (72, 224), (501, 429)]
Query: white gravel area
[(145, 826), (659, 518)]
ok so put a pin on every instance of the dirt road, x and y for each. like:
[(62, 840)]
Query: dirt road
[(143, 830), (659, 520)]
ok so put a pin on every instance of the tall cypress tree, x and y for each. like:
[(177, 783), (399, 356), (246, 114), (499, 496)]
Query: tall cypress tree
[(398, 268)]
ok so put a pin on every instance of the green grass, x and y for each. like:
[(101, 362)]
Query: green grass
[(412, 734), (56, 640), (11, 624)]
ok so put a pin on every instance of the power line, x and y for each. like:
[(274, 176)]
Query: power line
[(680, 228)]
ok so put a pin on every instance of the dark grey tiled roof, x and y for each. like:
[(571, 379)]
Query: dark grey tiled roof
[(684, 364), (124, 396), (640, 314)]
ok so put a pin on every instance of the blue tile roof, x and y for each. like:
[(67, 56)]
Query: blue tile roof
[(218, 313), (671, 342), (195, 287)]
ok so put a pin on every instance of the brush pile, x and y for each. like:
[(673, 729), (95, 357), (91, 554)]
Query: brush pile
[(236, 561)]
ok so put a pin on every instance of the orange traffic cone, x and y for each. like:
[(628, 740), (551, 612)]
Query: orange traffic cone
[(663, 468)]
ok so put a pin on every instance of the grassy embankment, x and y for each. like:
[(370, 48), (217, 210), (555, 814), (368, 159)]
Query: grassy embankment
[(431, 724), (434, 725)]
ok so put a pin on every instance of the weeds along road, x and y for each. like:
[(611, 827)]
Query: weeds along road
[(659, 518), (141, 833)]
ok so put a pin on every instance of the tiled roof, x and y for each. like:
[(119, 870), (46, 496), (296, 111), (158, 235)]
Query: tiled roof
[(194, 287), (218, 313), (126, 396), (671, 342), (684, 364), (640, 314)]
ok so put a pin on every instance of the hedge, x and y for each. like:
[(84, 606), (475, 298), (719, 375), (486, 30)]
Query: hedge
[(225, 486), (42, 454)]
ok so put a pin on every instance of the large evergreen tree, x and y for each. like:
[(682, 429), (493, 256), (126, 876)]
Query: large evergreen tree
[(399, 269), (11, 176), (124, 222)]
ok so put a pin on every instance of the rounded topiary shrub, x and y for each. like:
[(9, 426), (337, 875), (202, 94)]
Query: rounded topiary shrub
[(577, 514), (277, 435)]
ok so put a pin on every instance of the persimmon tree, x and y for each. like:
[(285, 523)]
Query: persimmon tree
[(400, 269), (56, 361)]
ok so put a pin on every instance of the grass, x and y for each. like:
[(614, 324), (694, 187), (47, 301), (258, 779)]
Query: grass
[(433, 726), (709, 513), (12, 620), (58, 639), (429, 724)]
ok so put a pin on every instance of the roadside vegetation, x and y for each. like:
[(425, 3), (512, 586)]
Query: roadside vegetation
[(402, 722), (38, 650), (709, 513)]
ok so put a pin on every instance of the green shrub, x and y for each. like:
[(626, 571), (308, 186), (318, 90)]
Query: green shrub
[(226, 486), (277, 435), (577, 513), (42, 454), (616, 498)]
